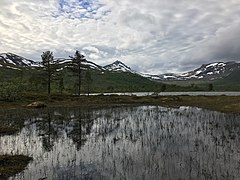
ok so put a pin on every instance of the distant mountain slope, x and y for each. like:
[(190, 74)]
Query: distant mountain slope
[(233, 78), (211, 71), (110, 81), (229, 83), (14, 61)]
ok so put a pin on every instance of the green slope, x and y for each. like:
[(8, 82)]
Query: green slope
[(35, 81), (229, 83), (115, 81)]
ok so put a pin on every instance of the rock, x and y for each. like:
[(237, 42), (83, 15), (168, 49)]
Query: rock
[(37, 104)]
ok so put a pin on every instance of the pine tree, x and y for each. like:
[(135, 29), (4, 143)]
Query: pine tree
[(77, 60), (61, 85), (48, 64), (210, 87)]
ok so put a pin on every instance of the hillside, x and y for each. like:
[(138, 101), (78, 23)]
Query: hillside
[(115, 77), (29, 75), (231, 82)]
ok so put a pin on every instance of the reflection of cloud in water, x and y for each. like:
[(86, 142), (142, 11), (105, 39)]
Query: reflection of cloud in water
[(128, 142), (87, 171)]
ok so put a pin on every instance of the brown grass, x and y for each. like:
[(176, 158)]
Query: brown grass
[(218, 103)]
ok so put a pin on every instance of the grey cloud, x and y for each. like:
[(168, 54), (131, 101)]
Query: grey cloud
[(137, 20), (226, 44), (149, 35)]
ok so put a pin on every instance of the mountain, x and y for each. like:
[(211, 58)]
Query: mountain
[(116, 77), (211, 71), (14, 61), (207, 72), (118, 66)]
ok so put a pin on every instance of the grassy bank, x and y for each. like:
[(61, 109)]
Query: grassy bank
[(218, 103)]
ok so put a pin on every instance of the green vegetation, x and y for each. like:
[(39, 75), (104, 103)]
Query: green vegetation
[(12, 165), (12, 90), (72, 78), (229, 83), (75, 77), (210, 87), (77, 61), (88, 81), (16, 84)]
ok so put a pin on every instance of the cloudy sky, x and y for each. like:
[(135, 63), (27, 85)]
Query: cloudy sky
[(151, 36)]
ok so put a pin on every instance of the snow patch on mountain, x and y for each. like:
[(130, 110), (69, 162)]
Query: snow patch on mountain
[(10, 60), (209, 71), (118, 66), (85, 64)]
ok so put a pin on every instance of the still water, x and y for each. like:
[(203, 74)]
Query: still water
[(198, 93), (146, 142)]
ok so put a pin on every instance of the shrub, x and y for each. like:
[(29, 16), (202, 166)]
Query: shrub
[(11, 91)]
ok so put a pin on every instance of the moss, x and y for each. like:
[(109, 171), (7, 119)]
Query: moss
[(12, 165)]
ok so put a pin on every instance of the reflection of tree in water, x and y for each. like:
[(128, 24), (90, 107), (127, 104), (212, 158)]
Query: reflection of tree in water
[(13, 118), (53, 124), (140, 142), (81, 127), (161, 143), (49, 135)]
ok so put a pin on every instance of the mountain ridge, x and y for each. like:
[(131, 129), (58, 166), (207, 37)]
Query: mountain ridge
[(11, 60), (210, 71)]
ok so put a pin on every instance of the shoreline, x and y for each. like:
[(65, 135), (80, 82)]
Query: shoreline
[(216, 103)]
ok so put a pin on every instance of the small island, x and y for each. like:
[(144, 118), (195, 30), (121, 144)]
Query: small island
[(12, 165)]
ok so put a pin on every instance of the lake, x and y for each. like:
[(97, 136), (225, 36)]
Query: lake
[(199, 93), (143, 142)]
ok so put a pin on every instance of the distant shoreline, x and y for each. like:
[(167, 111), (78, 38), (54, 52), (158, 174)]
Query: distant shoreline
[(173, 93)]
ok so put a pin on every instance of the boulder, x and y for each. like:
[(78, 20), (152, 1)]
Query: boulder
[(37, 104)]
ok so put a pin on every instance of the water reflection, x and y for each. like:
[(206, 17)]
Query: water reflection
[(147, 142)]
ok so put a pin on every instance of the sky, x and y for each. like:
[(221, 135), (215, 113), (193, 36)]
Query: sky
[(150, 36)]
